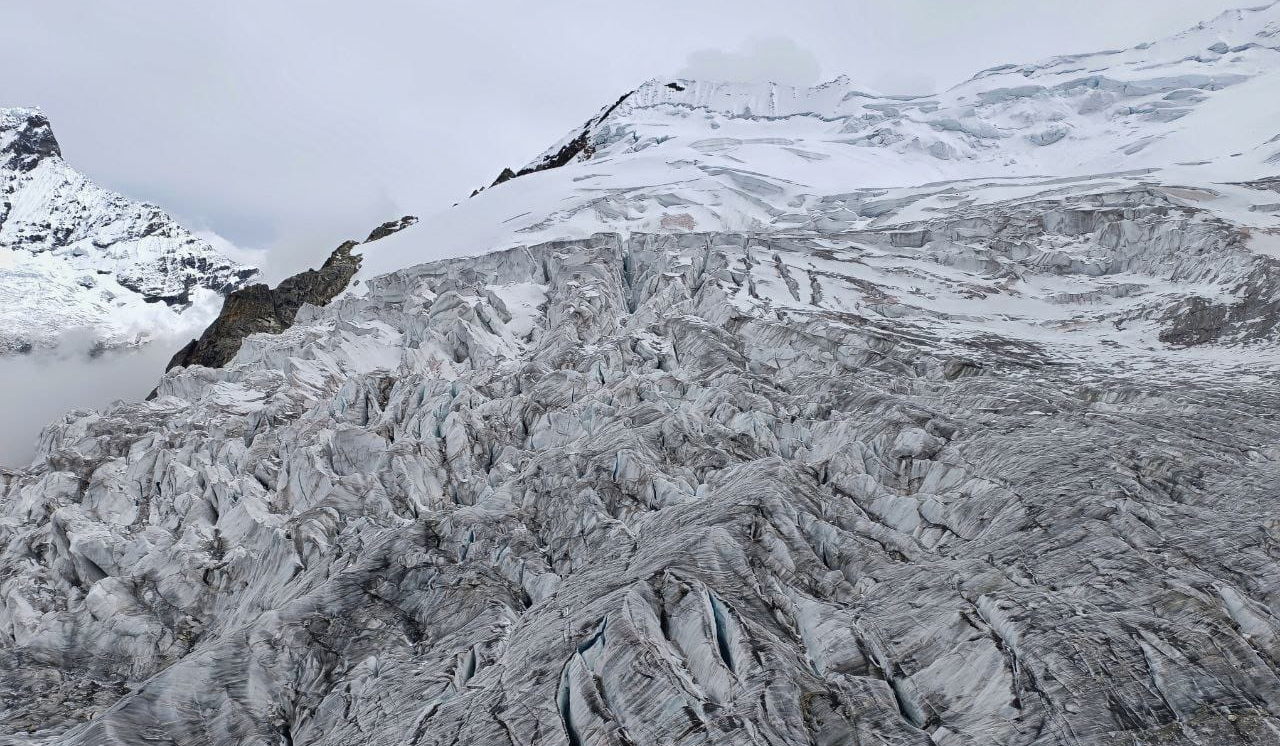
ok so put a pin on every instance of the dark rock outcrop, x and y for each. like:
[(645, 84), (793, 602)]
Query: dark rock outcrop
[(259, 308), (391, 226), (30, 140), (570, 150)]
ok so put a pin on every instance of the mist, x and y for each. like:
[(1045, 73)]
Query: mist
[(39, 388)]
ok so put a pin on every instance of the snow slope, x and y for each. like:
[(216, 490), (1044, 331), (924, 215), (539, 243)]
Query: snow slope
[(74, 256)]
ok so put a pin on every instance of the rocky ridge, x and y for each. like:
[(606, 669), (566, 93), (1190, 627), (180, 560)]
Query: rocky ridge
[(261, 309)]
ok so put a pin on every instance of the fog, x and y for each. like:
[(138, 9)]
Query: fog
[(775, 58), (39, 388)]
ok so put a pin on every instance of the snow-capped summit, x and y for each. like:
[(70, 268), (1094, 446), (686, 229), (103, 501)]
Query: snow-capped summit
[(25, 139), (75, 256), (1186, 126), (1154, 105), (1196, 107)]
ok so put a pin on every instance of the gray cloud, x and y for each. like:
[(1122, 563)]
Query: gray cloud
[(775, 59), (904, 81), (39, 388)]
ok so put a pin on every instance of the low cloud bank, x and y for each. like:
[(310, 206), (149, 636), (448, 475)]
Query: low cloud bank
[(38, 389), (775, 59)]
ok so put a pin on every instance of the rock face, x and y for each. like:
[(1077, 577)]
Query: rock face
[(26, 139), (577, 145), (977, 461), (391, 226), (76, 256), (260, 309)]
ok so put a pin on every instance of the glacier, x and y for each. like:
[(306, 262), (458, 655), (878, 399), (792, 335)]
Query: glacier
[(744, 414)]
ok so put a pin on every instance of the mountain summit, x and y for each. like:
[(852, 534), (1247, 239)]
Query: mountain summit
[(745, 414), (74, 256)]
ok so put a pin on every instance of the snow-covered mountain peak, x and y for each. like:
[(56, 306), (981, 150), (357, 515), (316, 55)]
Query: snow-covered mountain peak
[(25, 138), (749, 100), (1235, 46), (677, 154), (1002, 120), (1231, 33), (1259, 24), (1246, 38), (75, 256), (1174, 127)]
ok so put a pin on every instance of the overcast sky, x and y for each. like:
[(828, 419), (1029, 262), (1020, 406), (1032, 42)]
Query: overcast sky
[(289, 126)]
